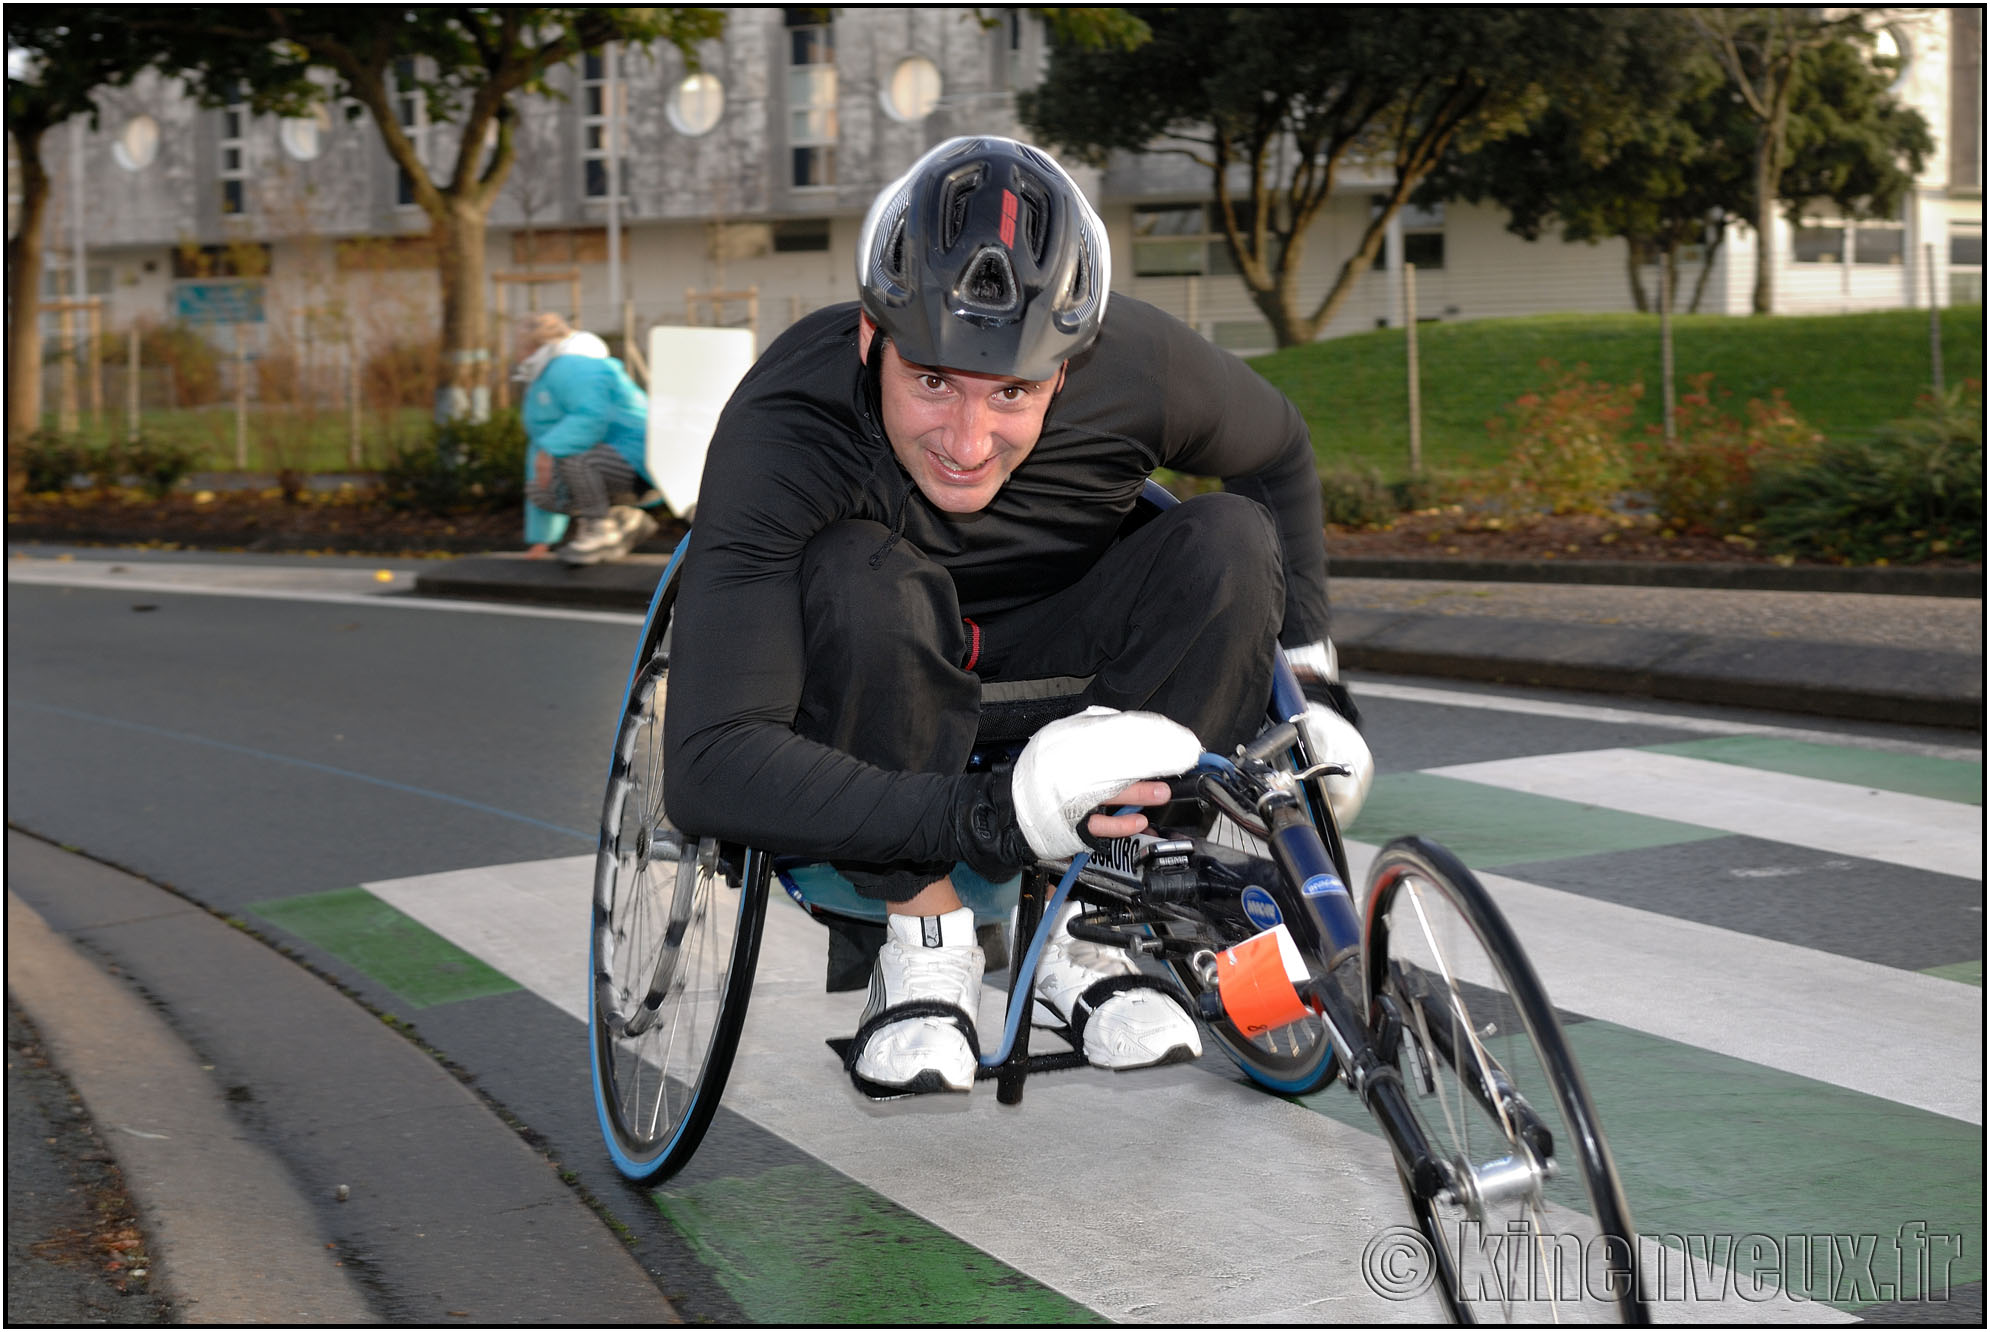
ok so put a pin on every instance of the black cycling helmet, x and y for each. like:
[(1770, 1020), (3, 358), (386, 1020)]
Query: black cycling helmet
[(985, 256)]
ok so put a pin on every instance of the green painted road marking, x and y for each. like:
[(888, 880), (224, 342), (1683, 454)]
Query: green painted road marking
[(1909, 774), (1487, 825), (1969, 973), (804, 1244), (1713, 1150), (394, 949)]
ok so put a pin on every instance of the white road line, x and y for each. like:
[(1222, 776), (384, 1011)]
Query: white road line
[(1456, 698), (338, 587), (1890, 826)]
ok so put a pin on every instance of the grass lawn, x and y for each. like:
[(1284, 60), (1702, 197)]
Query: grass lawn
[(277, 437), (1844, 374)]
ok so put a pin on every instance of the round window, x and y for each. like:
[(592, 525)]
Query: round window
[(304, 136), (1891, 53), (914, 89), (137, 143), (696, 104)]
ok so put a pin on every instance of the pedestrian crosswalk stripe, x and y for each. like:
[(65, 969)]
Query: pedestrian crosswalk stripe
[(1485, 825), (1771, 1003), (1911, 830), (1912, 774)]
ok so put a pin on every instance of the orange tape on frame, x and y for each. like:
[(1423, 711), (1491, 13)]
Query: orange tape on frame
[(1257, 981)]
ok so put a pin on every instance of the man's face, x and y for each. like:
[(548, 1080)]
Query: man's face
[(959, 434)]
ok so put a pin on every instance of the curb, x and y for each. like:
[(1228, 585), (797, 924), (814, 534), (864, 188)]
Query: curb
[(1892, 582), (1908, 686), (337, 1097)]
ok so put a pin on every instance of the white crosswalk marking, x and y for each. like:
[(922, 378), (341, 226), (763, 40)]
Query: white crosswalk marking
[(1910, 830), (1021, 1184)]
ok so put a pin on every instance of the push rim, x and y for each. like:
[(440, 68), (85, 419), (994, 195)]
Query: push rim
[(1533, 1225)]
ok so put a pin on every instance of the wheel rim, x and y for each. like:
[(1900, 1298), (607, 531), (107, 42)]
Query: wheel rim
[(1292, 1060), (666, 921), (1530, 1228)]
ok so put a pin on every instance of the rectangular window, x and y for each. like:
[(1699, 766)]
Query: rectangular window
[(1878, 244), (1820, 245), (796, 235), (595, 123), (1965, 246), (1168, 240), (233, 171), (1966, 98), (811, 100)]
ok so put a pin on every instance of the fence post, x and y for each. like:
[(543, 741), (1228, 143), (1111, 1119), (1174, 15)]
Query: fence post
[(131, 381), (1416, 391), (68, 419), (1665, 343), (1934, 321), (352, 390), (241, 402), (93, 321)]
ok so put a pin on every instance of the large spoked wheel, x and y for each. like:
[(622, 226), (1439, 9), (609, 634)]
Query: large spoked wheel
[(676, 933), (1293, 1060), (1531, 1224)]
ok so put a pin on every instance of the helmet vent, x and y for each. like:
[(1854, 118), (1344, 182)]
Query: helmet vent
[(894, 251), (990, 283), (1034, 203), (954, 201)]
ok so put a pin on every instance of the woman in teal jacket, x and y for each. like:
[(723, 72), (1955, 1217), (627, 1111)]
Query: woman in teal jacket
[(587, 423)]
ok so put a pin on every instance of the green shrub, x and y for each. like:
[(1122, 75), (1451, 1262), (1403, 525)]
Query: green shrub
[(50, 460), (159, 465), (1704, 480), (464, 466), (195, 362), (1357, 497), (1912, 492), (1565, 446), (401, 374)]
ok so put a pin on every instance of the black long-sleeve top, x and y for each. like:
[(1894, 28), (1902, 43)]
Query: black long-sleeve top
[(800, 446)]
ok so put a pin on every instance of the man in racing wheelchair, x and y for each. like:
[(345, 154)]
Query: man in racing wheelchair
[(912, 495)]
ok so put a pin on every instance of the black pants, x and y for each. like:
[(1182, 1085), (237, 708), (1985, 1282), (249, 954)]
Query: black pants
[(1180, 618)]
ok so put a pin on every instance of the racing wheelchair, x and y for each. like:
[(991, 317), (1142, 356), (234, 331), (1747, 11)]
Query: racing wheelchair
[(1423, 1004)]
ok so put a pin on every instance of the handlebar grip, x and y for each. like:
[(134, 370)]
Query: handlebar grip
[(1280, 737)]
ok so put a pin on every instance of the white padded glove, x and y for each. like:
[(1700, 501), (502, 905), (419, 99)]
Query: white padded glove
[(1333, 739), (1076, 762), (1318, 660)]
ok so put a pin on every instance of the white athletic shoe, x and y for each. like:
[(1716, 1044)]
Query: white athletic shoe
[(1135, 1028), (596, 540), (924, 957)]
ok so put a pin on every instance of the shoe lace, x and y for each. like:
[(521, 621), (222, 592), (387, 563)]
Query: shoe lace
[(934, 972)]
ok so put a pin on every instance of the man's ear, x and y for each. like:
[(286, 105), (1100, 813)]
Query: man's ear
[(866, 334)]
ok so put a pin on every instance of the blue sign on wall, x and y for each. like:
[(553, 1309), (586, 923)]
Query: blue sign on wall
[(218, 302)]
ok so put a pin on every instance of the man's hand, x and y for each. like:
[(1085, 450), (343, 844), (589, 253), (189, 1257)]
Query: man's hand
[(1100, 756), (1103, 826)]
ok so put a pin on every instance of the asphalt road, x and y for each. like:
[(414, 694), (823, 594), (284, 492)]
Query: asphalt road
[(289, 762)]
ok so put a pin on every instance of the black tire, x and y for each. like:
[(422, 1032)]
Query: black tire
[(1538, 1228), (672, 946)]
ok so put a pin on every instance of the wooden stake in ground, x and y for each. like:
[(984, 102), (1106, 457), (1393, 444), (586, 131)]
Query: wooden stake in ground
[(241, 402), (68, 418), (131, 382), (352, 390), (1934, 322), (1665, 343), (1416, 388), (94, 322)]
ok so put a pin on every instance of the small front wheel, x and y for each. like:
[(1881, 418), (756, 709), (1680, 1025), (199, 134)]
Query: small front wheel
[(672, 947), (1529, 1223)]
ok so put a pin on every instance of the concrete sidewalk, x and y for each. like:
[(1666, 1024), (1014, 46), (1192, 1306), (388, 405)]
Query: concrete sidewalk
[(1860, 644), (293, 1159)]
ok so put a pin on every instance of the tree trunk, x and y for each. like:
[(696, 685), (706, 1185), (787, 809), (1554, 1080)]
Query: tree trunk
[(1634, 270), (1707, 267), (464, 387), (1765, 219), (24, 303)]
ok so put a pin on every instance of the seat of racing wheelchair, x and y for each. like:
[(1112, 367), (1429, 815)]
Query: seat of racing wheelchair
[(1011, 712)]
